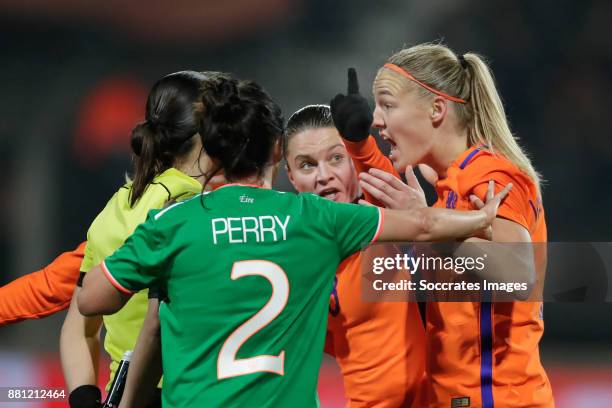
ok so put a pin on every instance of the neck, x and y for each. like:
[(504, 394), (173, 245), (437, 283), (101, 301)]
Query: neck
[(447, 152), (191, 165), (192, 171), (263, 181)]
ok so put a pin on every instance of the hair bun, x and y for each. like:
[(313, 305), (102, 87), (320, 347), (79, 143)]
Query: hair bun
[(240, 124), (231, 110), (224, 103)]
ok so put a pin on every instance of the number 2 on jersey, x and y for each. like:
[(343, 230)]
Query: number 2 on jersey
[(227, 363)]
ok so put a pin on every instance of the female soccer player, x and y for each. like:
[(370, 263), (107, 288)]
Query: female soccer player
[(443, 110), (246, 270), (169, 165), (379, 347)]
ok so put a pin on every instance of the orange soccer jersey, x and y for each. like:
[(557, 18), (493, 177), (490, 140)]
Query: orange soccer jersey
[(44, 292), (486, 354), (380, 347)]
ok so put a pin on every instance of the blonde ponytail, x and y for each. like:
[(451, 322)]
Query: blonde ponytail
[(483, 114), (489, 125)]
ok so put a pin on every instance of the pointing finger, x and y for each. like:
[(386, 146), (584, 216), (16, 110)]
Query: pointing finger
[(353, 85)]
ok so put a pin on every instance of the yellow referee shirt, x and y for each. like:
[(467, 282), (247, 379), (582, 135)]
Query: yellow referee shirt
[(110, 229)]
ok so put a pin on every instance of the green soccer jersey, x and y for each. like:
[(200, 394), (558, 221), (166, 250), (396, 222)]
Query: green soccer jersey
[(247, 273)]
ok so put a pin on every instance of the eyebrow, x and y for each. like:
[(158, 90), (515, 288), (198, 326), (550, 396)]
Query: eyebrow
[(303, 157), (336, 145), (383, 92), (309, 157)]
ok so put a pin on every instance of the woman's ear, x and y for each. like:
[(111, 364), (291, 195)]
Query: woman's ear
[(290, 175), (277, 152), (277, 156), (438, 111)]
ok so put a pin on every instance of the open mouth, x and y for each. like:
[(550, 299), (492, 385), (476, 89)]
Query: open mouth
[(329, 193), (393, 151), (386, 138)]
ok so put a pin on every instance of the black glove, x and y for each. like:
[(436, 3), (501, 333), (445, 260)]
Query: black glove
[(85, 396), (351, 113)]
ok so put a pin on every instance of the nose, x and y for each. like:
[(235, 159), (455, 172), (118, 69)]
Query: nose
[(324, 174), (378, 122)]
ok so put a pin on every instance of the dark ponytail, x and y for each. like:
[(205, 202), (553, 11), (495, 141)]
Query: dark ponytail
[(173, 114), (241, 125)]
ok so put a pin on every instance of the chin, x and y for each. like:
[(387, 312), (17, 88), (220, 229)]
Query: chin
[(341, 198)]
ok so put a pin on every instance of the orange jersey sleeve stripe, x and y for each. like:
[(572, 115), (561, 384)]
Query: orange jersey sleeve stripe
[(113, 281), (381, 222), (44, 292)]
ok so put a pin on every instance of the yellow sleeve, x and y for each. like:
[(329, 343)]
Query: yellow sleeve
[(87, 263)]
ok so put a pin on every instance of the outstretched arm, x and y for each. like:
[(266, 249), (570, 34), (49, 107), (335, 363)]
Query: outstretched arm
[(44, 292), (436, 224)]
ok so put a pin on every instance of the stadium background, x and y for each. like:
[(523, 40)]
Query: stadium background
[(74, 76)]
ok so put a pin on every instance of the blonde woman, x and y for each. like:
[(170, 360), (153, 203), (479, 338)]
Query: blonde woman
[(442, 109)]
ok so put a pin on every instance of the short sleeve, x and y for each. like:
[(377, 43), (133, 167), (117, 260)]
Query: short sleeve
[(516, 205), (87, 263), (137, 264), (355, 226)]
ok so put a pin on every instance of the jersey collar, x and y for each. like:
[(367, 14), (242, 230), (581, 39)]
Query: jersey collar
[(465, 157), (238, 184), (177, 174), (459, 163)]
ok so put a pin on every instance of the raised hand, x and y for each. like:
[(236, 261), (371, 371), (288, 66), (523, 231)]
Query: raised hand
[(393, 192), (351, 113)]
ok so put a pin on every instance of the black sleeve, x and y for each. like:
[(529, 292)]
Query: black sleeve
[(154, 292)]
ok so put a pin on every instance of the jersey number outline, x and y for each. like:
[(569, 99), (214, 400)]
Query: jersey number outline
[(227, 363)]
